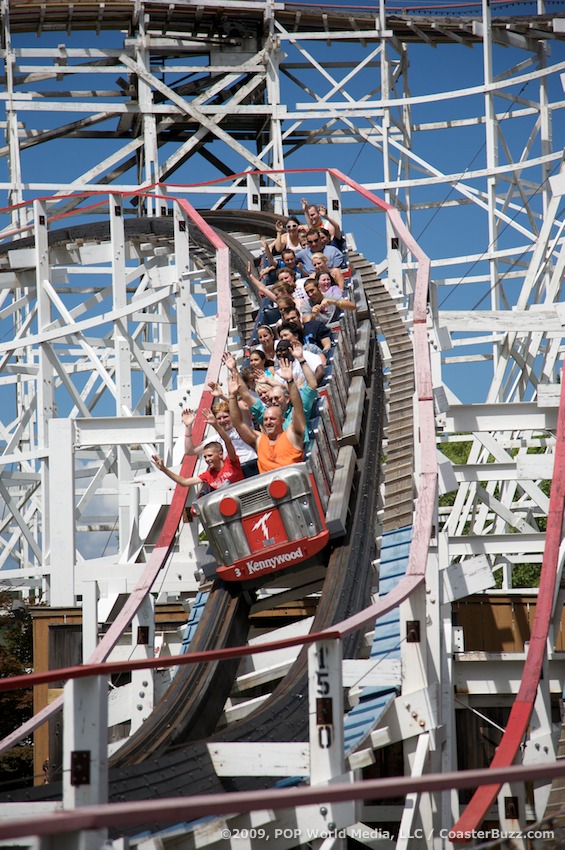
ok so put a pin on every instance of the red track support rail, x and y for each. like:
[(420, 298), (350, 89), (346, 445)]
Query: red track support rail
[(521, 711)]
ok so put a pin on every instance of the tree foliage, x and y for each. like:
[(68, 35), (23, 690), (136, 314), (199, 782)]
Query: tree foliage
[(16, 659)]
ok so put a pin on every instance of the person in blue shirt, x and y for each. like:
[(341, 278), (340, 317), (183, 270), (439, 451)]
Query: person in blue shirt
[(334, 257), (278, 392)]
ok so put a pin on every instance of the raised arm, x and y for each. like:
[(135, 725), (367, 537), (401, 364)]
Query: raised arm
[(245, 432), (306, 370), (277, 243), (268, 252), (188, 417), (297, 427), (335, 224), (264, 290), (304, 205), (178, 479)]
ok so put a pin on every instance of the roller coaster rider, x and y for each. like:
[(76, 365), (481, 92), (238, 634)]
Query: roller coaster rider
[(275, 446), (221, 471)]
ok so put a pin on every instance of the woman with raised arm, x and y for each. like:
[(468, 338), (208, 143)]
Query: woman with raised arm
[(287, 235)]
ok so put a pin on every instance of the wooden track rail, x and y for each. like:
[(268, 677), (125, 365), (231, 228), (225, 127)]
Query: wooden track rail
[(398, 468)]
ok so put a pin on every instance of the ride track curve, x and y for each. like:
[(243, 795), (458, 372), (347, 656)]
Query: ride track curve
[(521, 711), (352, 622)]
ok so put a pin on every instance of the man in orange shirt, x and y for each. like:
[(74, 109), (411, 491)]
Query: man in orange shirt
[(275, 447)]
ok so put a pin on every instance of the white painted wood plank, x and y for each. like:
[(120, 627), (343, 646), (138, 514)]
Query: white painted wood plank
[(500, 417), (502, 320), (371, 672), (260, 759), (466, 577)]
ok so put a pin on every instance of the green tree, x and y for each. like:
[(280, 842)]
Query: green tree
[(16, 706)]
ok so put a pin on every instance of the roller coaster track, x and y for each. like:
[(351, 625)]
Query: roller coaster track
[(346, 591), (136, 772), (231, 611), (168, 774)]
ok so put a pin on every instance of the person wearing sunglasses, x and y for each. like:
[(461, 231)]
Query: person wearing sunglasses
[(287, 235), (334, 258)]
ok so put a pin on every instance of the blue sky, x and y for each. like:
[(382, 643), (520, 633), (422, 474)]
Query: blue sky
[(442, 232)]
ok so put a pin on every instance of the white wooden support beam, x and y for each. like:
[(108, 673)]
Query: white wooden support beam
[(253, 192), (184, 300), (122, 358), (333, 190), (325, 695), (62, 529), (512, 812), (90, 595), (407, 829), (135, 543), (149, 150), (45, 378), (85, 752), (395, 280), (143, 646), (325, 701)]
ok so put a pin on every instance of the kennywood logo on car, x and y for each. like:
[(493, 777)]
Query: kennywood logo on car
[(274, 562)]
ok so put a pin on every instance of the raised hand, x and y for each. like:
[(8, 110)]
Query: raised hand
[(188, 417), (285, 368), (297, 349), (158, 461), (209, 417), (229, 361), (216, 389), (233, 386)]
